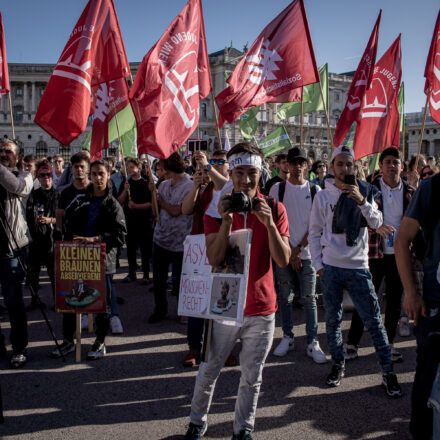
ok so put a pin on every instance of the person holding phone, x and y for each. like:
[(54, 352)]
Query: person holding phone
[(338, 240)]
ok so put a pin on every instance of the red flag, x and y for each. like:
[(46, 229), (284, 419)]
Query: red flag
[(94, 54), (359, 85), (4, 74), (280, 60), (172, 79), (379, 119), (432, 73), (108, 99)]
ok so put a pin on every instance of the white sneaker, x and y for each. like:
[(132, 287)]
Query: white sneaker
[(403, 327), (287, 344), (84, 322), (116, 325), (314, 351)]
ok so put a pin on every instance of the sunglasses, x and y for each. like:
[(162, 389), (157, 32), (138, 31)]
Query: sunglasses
[(219, 161), (45, 175), (429, 173), (321, 166)]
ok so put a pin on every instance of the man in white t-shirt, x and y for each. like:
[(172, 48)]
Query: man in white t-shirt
[(297, 194)]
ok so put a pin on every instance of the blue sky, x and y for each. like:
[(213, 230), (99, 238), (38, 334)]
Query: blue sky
[(36, 31)]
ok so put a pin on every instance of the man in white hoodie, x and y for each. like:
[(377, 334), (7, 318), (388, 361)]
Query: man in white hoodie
[(338, 240)]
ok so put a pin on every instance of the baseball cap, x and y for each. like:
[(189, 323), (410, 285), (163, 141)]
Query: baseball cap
[(343, 149), (296, 153)]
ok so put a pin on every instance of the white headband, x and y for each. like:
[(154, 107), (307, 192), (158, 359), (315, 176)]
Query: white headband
[(241, 159)]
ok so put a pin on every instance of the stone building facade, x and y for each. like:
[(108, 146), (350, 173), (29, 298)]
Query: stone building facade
[(29, 80), (431, 134)]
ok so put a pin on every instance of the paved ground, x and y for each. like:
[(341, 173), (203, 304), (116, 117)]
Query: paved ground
[(140, 390)]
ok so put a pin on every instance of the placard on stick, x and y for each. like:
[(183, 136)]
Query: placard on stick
[(80, 278), (215, 293)]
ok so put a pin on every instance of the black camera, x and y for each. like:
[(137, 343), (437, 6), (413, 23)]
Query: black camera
[(241, 202)]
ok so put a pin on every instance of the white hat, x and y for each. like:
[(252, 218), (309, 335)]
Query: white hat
[(343, 149)]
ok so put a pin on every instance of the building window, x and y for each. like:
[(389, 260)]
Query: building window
[(297, 139), (41, 149), (18, 92), (434, 131), (427, 131), (18, 113), (312, 139), (203, 112), (337, 97), (413, 132), (29, 136), (65, 152)]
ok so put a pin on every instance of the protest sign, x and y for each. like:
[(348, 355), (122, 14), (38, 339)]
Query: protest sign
[(215, 292), (80, 278)]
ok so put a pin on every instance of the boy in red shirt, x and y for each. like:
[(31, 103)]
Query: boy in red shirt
[(269, 240)]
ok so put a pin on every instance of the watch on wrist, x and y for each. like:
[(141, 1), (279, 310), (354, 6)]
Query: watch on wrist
[(208, 167)]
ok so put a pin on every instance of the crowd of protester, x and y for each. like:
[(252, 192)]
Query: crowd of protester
[(319, 227)]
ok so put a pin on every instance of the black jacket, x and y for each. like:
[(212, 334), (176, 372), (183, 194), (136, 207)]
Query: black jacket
[(41, 235), (110, 225)]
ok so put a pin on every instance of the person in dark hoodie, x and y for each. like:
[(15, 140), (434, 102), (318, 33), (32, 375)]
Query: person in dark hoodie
[(97, 218), (40, 216), (338, 240)]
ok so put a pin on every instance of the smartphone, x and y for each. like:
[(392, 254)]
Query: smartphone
[(350, 179)]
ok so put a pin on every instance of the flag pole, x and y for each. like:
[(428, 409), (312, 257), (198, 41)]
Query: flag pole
[(121, 150), (329, 130), (216, 118), (12, 117), (403, 135), (301, 121), (419, 148)]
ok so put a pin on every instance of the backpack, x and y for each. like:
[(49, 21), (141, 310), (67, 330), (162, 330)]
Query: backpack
[(282, 190)]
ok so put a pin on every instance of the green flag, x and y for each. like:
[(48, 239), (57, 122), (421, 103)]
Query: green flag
[(374, 163), (127, 129), (312, 101), (350, 139), (275, 141), (249, 123), (401, 102)]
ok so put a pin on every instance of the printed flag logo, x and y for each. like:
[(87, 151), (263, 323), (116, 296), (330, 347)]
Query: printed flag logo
[(263, 65), (184, 87), (378, 106)]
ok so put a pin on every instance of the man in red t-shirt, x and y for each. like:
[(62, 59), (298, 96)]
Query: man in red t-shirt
[(269, 240)]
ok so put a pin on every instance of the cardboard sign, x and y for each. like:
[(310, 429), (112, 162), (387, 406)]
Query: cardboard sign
[(80, 277), (215, 293)]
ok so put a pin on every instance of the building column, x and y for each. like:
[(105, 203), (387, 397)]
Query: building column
[(25, 100), (33, 102)]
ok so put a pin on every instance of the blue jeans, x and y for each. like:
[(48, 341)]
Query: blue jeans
[(285, 277), (360, 287), (11, 277)]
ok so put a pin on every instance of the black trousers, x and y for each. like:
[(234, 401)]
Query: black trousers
[(139, 236), (162, 258), (381, 268), (427, 334), (36, 259)]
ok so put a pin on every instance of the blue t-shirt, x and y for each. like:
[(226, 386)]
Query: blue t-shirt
[(418, 210), (94, 206)]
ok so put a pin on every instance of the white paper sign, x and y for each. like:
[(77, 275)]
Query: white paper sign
[(215, 293)]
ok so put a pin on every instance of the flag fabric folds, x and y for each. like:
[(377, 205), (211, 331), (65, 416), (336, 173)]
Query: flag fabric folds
[(4, 73), (278, 64), (275, 141), (359, 85), (109, 99), (312, 101), (94, 54), (379, 119), (432, 73), (249, 123), (172, 79)]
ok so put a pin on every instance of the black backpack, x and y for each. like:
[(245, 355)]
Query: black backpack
[(282, 190)]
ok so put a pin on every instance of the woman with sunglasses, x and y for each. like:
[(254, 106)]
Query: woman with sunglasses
[(428, 171), (319, 168), (40, 217)]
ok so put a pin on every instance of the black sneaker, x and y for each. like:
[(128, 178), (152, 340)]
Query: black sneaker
[(156, 317), (97, 351), (337, 373), (18, 359), (392, 387), (195, 432), (351, 352), (65, 348), (243, 435)]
